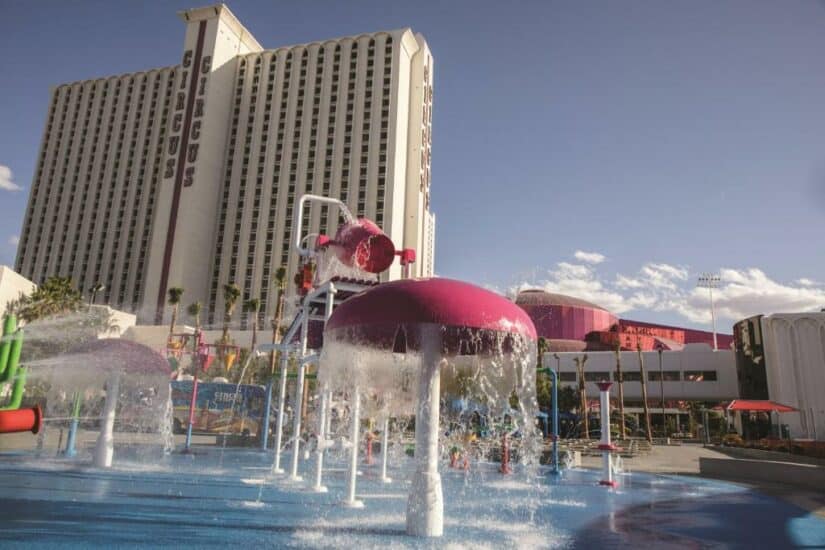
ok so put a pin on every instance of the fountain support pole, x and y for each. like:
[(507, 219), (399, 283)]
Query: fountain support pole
[(187, 447), (265, 420), (322, 409), (605, 446), (279, 430), (385, 444), (321, 444), (105, 441), (556, 469), (299, 394), (351, 501), (72, 436), (425, 504)]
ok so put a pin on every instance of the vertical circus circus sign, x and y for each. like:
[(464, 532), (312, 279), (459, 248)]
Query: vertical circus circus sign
[(175, 144)]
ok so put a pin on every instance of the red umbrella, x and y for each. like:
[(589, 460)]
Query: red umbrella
[(758, 406)]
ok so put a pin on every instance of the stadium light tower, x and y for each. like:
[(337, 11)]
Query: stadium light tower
[(710, 281)]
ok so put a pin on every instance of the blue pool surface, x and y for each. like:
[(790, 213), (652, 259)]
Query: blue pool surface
[(209, 500)]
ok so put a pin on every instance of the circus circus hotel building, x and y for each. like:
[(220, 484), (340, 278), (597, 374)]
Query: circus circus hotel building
[(187, 175)]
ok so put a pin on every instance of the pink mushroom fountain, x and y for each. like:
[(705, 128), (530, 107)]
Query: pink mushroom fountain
[(411, 339)]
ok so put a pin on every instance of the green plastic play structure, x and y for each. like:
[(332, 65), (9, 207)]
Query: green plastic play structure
[(11, 344)]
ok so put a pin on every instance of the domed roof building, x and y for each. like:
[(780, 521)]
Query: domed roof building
[(560, 317), (573, 324)]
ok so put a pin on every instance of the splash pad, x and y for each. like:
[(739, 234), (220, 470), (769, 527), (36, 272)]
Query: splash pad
[(399, 354)]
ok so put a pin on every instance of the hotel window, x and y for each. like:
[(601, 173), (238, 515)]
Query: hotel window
[(628, 376), (667, 376)]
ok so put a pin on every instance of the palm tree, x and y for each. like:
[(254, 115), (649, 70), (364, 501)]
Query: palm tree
[(543, 386), (620, 380), (175, 294), (280, 287), (56, 296), (252, 307), (231, 293), (194, 311), (582, 393), (644, 393)]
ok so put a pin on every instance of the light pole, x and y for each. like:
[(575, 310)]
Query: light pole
[(662, 392), (710, 281), (95, 289)]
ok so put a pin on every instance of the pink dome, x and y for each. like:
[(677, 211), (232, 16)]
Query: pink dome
[(560, 317)]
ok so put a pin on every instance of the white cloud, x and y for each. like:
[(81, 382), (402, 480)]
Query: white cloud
[(6, 182), (665, 288), (14, 240), (589, 257), (627, 282)]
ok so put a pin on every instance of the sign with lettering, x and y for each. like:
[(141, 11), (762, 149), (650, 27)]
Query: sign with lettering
[(195, 128), (175, 146)]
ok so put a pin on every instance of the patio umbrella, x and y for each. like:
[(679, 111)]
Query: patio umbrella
[(758, 406)]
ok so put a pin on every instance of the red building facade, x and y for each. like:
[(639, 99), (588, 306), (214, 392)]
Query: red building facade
[(571, 324)]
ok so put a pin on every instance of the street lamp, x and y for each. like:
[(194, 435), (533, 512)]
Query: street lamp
[(710, 281), (95, 289), (662, 393)]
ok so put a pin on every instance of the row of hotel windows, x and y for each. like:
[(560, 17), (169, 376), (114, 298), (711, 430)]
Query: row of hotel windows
[(652, 376), (77, 140), (297, 138)]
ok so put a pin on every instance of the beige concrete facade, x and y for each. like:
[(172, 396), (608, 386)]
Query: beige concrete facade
[(794, 345), (187, 175)]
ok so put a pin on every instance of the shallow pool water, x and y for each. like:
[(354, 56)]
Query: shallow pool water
[(207, 500)]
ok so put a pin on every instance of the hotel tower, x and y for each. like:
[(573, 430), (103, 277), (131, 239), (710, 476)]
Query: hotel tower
[(186, 176)]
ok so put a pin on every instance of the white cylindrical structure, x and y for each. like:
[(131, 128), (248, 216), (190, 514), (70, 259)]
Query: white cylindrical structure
[(299, 395), (385, 444), (355, 405), (321, 443), (296, 423), (104, 450), (425, 503), (276, 467), (605, 445)]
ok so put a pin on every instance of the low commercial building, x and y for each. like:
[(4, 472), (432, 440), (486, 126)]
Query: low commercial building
[(694, 373)]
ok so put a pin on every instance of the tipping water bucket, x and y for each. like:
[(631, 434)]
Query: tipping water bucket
[(362, 244)]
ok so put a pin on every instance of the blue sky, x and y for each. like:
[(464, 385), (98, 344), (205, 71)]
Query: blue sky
[(657, 139)]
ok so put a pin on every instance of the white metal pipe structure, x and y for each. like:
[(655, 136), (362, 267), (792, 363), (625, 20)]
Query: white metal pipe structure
[(321, 444), (297, 404), (283, 347), (425, 503), (105, 441), (355, 404), (298, 215), (711, 281), (605, 446), (385, 443), (322, 408), (279, 430)]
